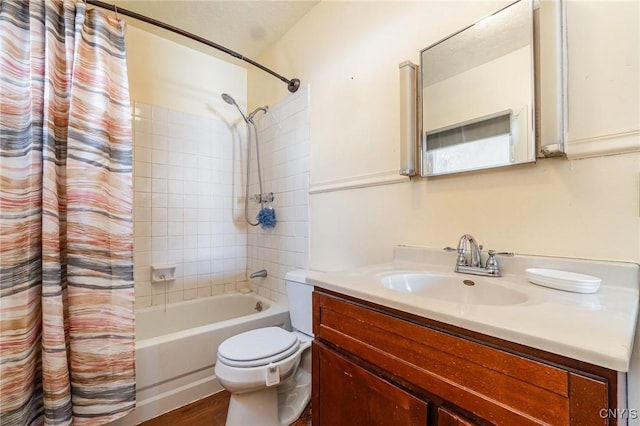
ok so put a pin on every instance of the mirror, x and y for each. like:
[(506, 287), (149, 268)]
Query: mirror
[(477, 95)]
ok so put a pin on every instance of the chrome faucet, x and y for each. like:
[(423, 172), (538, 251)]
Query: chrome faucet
[(474, 248), (472, 264), (262, 273)]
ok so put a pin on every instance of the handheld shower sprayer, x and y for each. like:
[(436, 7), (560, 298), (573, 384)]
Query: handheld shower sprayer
[(228, 99), (266, 216)]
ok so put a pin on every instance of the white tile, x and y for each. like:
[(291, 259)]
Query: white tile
[(158, 229), (160, 128), (142, 214), (159, 214), (143, 302), (176, 248), (142, 139), (142, 289), (159, 256), (190, 269), (141, 154), (159, 199), (176, 159), (175, 116), (159, 245), (142, 229), (190, 294), (175, 296), (142, 110), (158, 299), (190, 201), (175, 215), (176, 130), (142, 125), (190, 228), (204, 241), (174, 185), (159, 113), (190, 186), (190, 214), (175, 200), (204, 267), (159, 185), (160, 171), (142, 184), (204, 291), (142, 169), (160, 156)]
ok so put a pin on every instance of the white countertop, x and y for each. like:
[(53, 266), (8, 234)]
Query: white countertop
[(597, 328)]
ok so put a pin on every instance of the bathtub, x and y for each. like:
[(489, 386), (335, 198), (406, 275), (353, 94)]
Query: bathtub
[(176, 350)]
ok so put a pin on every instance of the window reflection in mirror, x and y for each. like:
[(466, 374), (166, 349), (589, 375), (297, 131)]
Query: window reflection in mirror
[(477, 95)]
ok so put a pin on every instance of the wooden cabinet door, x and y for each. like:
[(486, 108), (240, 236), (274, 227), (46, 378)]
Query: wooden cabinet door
[(349, 395)]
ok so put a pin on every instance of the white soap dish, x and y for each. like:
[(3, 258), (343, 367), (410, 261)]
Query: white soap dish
[(563, 280)]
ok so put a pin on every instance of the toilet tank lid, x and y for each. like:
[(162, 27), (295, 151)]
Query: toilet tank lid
[(297, 275)]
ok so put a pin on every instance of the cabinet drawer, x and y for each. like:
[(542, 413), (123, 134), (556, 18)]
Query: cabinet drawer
[(493, 384)]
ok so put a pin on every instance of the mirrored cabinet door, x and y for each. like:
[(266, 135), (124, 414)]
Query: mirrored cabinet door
[(478, 95)]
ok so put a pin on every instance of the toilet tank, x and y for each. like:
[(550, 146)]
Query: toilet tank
[(299, 295)]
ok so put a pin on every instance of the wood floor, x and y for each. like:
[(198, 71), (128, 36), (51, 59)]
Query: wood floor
[(209, 411)]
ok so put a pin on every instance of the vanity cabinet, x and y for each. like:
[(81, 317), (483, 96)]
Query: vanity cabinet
[(373, 365)]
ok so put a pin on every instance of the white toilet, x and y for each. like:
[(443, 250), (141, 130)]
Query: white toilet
[(268, 370)]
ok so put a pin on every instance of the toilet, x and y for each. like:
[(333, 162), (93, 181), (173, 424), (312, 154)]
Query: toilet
[(268, 370)]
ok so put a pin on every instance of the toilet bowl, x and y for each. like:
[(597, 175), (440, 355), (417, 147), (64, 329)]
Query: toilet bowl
[(268, 370)]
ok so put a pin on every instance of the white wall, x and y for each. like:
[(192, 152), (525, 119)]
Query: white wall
[(169, 75), (348, 52)]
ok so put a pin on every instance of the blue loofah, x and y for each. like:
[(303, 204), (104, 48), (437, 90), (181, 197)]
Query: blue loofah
[(267, 218)]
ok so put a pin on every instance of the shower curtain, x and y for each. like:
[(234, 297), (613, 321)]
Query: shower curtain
[(66, 232)]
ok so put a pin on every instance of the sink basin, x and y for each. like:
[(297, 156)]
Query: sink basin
[(458, 289)]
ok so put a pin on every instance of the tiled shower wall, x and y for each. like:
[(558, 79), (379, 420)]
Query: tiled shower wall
[(284, 150), (189, 175), (186, 181)]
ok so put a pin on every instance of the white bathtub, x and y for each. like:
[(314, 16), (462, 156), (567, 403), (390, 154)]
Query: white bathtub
[(176, 350)]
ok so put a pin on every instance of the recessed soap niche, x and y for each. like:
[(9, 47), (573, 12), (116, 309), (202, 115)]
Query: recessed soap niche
[(163, 272)]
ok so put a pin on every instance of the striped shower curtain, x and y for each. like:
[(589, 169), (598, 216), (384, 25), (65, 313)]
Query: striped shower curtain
[(66, 233)]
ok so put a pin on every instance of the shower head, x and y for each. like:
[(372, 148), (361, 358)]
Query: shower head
[(228, 99), (264, 110)]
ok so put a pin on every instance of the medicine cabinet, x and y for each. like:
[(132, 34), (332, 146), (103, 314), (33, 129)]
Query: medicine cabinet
[(477, 93)]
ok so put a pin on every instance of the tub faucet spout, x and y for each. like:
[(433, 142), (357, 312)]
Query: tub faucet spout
[(261, 273)]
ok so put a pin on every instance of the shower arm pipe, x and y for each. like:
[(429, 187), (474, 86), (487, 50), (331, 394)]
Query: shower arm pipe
[(292, 84)]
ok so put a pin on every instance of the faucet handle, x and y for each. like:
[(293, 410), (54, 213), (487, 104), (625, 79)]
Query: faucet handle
[(461, 260), (492, 262), (493, 253)]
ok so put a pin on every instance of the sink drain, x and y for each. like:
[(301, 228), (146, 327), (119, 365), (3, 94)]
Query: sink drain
[(468, 282)]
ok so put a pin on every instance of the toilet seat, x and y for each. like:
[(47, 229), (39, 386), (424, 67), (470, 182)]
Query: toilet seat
[(258, 347)]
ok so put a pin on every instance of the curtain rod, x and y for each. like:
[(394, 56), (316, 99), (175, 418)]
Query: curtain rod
[(292, 84)]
